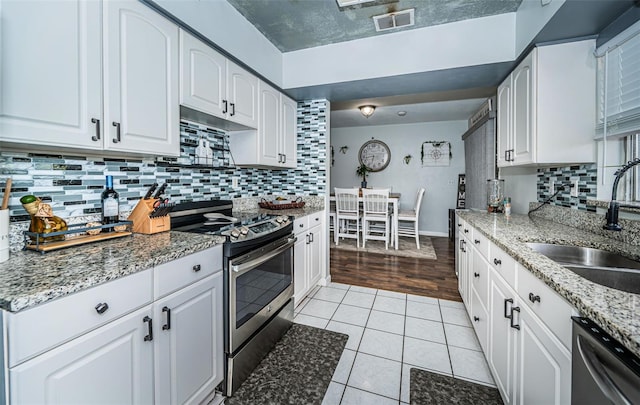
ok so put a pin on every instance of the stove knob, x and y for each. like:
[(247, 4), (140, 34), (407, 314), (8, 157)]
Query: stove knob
[(282, 219), (244, 230), (235, 233)]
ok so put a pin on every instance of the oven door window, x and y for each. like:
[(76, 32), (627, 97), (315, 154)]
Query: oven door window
[(256, 288)]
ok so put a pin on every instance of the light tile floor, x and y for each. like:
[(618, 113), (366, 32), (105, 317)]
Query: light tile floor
[(390, 333)]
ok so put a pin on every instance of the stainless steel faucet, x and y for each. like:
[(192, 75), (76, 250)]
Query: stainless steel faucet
[(614, 206)]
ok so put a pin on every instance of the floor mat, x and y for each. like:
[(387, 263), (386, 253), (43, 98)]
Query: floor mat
[(428, 388), (297, 371), (407, 247)]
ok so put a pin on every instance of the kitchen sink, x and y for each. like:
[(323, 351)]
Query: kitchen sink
[(600, 266)]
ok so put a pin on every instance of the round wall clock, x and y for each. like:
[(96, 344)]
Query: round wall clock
[(375, 155)]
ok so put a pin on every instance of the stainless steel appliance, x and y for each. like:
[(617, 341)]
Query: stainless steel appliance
[(602, 370), (258, 279)]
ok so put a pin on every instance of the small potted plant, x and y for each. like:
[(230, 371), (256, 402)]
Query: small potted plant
[(362, 171)]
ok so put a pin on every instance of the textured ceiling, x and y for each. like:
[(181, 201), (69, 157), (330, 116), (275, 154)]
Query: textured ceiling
[(297, 24)]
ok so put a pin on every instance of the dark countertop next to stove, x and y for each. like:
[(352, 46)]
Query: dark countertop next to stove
[(617, 312), (30, 278)]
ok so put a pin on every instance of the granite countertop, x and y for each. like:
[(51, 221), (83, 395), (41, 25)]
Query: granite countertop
[(29, 278), (296, 212), (616, 311)]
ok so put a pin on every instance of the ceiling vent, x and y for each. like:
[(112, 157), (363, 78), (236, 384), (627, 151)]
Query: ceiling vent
[(347, 3), (397, 19)]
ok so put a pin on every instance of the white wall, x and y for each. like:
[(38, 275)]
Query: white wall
[(531, 17), (440, 182), (464, 43), (520, 183), (220, 22)]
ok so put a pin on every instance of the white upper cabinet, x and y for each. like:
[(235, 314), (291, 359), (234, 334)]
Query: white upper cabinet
[(289, 132), (546, 111), (242, 95), (212, 84), (51, 84), (274, 143), (141, 80), (269, 129), (203, 76), (62, 88)]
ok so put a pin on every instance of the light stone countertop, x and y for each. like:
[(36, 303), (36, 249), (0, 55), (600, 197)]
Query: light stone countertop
[(617, 312), (30, 278)]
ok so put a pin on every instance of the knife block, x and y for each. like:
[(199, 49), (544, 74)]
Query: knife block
[(142, 223)]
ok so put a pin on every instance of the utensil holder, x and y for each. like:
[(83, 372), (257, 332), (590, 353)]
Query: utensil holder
[(143, 223)]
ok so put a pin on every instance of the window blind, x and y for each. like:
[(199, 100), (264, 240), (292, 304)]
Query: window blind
[(618, 85)]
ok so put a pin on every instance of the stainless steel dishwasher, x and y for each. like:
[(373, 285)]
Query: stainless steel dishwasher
[(603, 371)]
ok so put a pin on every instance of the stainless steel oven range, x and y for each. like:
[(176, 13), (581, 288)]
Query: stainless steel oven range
[(258, 279)]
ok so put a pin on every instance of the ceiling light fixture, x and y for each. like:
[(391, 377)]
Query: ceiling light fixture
[(367, 110)]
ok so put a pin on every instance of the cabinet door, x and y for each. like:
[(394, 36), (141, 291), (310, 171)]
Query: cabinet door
[(110, 365), (141, 80), (289, 132), (523, 88), (500, 353), (242, 94), (300, 279), (463, 271), (188, 350), (51, 84), (269, 128), (505, 131), (543, 365), (315, 255), (203, 76)]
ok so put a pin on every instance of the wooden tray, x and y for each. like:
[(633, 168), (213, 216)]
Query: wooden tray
[(80, 240), (298, 203), (76, 237)]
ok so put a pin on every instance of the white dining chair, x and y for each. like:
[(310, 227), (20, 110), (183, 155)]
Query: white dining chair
[(408, 220), (333, 220), (347, 215), (375, 216)]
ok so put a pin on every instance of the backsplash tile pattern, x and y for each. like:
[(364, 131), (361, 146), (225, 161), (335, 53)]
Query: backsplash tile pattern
[(587, 183), (74, 183)]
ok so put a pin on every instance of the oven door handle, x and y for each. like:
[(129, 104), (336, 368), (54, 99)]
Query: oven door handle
[(250, 264)]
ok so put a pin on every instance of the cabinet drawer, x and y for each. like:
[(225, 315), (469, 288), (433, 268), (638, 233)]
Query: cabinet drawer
[(301, 224), (504, 264), (467, 230), (480, 320), (481, 243), (552, 309), (315, 219), (35, 330), (479, 277), (174, 275)]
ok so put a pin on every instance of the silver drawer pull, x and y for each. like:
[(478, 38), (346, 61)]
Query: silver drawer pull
[(102, 307)]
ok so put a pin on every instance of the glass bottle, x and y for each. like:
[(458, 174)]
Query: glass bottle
[(110, 204)]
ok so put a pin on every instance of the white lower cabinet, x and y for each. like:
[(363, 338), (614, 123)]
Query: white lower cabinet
[(121, 350), (543, 364), (110, 365), (188, 343), (308, 254), (523, 336)]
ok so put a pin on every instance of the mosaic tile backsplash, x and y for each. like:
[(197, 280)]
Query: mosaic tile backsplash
[(587, 183), (73, 183)]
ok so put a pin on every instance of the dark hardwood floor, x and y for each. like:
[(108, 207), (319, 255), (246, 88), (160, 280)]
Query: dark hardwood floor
[(431, 278)]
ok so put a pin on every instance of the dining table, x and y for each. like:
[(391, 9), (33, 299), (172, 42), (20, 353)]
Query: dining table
[(394, 202)]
